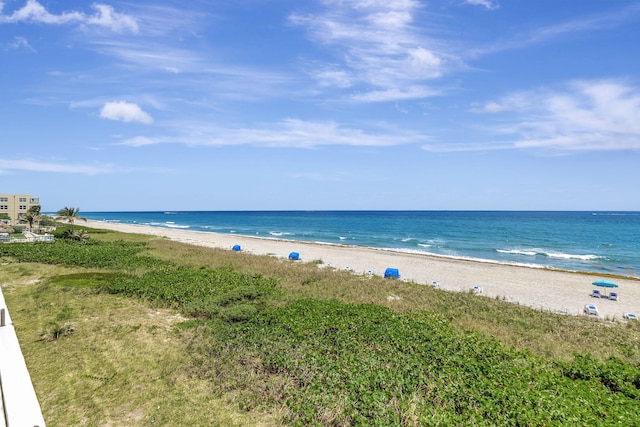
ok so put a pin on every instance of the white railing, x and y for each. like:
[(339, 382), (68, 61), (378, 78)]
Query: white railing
[(19, 403)]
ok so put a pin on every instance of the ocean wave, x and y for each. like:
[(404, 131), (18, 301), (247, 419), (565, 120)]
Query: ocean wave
[(279, 233), (452, 256), (424, 245), (573, 256), (549, 254), (517, 252)]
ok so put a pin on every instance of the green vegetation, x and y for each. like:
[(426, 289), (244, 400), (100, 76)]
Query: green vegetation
[(70, 215), (32, 216), (135, 330)]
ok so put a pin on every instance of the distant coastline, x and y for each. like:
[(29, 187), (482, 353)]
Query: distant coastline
[(594, 242)]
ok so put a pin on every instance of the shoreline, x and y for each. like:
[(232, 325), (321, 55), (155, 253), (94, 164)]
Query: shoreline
[(540, 288)]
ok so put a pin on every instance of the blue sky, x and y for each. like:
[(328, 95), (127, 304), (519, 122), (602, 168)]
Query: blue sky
[(321, 104)]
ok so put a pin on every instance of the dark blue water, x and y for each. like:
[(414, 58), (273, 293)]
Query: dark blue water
[(603, 242)]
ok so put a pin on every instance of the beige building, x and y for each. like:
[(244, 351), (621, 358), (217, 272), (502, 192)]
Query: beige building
[(16, 205)]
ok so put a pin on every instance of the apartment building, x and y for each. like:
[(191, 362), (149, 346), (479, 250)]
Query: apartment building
[(16, 205)]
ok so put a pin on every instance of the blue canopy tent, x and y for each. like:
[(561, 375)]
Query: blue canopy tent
[(392, 273), (236, 248), (294, 256)]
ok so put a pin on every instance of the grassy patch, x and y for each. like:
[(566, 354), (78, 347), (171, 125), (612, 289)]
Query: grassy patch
[(136, 330), (124, 363)]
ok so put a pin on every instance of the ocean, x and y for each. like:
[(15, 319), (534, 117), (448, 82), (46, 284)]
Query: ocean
[(600, 242)]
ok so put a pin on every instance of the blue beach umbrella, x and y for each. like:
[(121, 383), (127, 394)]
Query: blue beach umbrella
[(605, 284)]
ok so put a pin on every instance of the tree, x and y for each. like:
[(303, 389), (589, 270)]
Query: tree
[(32, 215), (70, 215)]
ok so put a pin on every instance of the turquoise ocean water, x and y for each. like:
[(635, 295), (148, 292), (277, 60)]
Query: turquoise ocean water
[(602, 242)]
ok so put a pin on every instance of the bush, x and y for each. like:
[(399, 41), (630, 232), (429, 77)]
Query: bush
[(367, 365), (200, 292)]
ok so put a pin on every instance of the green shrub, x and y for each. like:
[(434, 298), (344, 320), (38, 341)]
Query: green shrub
[(238, 312), (367, 365), (199, 292), (55, 330), (90, 253)]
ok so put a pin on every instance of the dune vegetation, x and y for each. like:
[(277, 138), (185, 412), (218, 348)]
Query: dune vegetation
[(124, 329)]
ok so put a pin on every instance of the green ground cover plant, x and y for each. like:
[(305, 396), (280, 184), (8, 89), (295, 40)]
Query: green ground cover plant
[(132, 330)]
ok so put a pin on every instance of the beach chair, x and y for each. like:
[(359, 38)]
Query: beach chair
[(591, 309), (613, 296), (596, 293)]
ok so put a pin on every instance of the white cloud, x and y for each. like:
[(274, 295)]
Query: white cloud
[(583, 24), (125, 111), (139, 141), (104, 16), (19, 43), (297, 133), (491, 107), (583, 115), (107, 17), (290, 133), (376, 47), (489, 4), (395, 94), (35, 166)]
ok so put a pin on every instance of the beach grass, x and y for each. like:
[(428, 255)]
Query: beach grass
[(544, 333), (98, 357), (121, 363)]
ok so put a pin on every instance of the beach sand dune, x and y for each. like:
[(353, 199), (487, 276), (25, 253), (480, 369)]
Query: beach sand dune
[(549, 290)]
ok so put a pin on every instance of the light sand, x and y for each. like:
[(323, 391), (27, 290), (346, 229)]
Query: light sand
[(557, 291)]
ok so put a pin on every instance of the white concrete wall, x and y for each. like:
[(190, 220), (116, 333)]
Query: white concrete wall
[(19, 400)]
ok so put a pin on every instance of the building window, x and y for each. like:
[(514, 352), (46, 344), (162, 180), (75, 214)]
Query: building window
[(23, 207), (4, 199), (23, 200), (4, 208)]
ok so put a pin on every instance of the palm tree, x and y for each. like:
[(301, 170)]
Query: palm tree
[(70, 215), (32, 215)]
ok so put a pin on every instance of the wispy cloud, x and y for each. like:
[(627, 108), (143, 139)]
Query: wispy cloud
[(19, 43), (291, 133), (36, 166), (126, 112), (586, 24), (596, 115), (377, 48), (104, 16), (489, 4), (583, 25)]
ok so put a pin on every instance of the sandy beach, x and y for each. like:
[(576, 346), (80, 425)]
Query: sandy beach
[(542, 289)]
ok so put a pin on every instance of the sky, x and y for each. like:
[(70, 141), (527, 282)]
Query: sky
[(321, 104)]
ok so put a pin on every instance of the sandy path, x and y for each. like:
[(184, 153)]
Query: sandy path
[(538, 288)]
